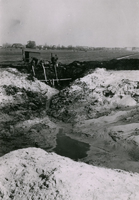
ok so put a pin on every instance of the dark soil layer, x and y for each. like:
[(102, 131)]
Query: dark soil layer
[(75, 69)]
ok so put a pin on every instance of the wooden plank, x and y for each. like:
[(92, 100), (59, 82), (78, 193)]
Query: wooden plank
[(33, 70), (56, 73), (44, 72), (64, 79)]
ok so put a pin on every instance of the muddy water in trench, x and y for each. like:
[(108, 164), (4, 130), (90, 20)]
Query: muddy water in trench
[(64, 145), (97, 151), (69, 147)]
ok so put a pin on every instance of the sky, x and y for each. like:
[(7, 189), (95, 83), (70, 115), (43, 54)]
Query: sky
[(95, 23)]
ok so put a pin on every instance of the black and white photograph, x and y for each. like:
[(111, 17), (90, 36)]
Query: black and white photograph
[(69, 99)]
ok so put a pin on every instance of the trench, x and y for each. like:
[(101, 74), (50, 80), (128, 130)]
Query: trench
[(65, 145), (73, 70), (69, 147), (14, 143), (78, 69)]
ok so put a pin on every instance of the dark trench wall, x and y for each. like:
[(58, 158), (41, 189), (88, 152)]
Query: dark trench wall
[(78, 69)]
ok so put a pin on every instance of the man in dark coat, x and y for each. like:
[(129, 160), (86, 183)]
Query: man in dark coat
[(52, 59)]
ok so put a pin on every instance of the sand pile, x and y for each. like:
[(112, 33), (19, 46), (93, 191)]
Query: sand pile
[(103, 110), (23, 112), (34, 174), (17, 83), (95, 94)]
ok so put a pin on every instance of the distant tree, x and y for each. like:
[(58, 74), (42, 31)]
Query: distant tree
[(58, 46), (54, 47), (63, 47), (6, 45), (31, 44), (39, 47), (45, 46), (49, 47), (70, 47)]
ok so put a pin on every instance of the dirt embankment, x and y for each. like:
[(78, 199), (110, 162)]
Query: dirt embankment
[(34, 174), (100, 109), (23, 118), (103, 110), (96, 109), (74, 70), (78, 69), (96, 95)]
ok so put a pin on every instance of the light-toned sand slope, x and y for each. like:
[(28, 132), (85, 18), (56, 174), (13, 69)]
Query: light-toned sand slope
[(34, 174)]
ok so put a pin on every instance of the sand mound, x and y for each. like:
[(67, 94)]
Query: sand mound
[(34, 174), (126, 101), (13, 78), (102, 107), (23, 112), (95, 93)]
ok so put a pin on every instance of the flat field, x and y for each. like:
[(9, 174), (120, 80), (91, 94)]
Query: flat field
[(67, 57)]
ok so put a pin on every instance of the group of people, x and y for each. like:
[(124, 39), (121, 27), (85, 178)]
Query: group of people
[(54, 61), (36, 63)]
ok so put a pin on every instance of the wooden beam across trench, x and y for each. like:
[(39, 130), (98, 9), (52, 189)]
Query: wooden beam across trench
[(51, 80), (57, 80), (62, 79)]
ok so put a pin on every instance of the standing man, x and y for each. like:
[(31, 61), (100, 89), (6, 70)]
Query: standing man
[(56, 59), (23, 54), (52, 60), (54, 63)]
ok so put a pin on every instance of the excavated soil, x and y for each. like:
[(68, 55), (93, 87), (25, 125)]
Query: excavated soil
[(98, 116), (73, 70), (35, 174), (103, 110), (94, 119)]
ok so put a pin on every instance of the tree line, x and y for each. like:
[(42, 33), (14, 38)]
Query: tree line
[(32, 45)]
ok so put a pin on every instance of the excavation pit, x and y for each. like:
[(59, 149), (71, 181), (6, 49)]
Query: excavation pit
[(69, 147)]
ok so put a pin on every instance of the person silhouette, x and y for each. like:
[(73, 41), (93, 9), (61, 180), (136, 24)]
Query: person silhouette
[(52, 59), (56, 59)]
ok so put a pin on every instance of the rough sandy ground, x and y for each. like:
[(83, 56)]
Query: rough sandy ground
[(103, 109), (23, 112), (34, 174), (97, 93), (15, 78), (100, 109)]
